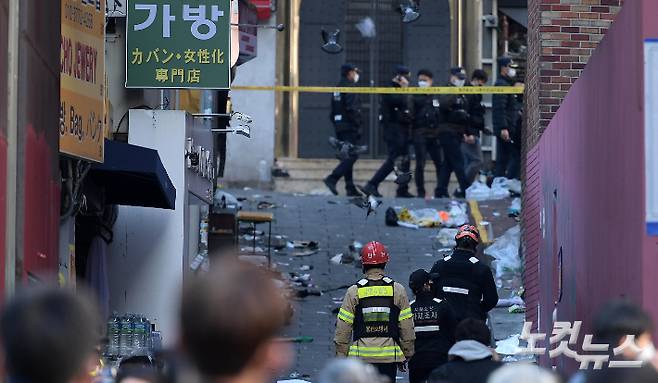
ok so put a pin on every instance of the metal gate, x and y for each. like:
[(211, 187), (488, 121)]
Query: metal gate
[(422, 44)]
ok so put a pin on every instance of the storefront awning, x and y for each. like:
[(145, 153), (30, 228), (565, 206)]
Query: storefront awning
[(133, 175), (520, 15)]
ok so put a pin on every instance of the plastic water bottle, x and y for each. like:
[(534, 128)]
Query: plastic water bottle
[(113, 327), (139, 334), (263, 176), (126, 335)]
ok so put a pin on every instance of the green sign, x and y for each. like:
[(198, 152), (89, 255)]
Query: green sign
[(178, 44)]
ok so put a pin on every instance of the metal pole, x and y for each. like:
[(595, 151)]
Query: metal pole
[(374, 120), (12, 147)]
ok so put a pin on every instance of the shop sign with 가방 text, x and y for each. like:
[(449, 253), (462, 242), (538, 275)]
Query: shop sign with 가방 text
[(178, 44), (82, 79)]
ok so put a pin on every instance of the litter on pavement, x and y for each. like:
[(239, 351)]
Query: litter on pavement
[(505, 250), (509, 346), (501, 188), (454, 215)]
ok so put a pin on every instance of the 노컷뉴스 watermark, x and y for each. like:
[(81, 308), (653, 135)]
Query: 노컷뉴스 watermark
[(565, 336)]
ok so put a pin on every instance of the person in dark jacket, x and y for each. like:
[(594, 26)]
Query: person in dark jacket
[(346, 117), (471, 360), (434, 324), (452, 127), (613, 324), (471, 146), (505, 117), (425, 131), (396, 117), (465, 282)]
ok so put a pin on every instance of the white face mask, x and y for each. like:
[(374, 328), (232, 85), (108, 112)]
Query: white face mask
[(458, 82), (356, 78), (648, 353), (511, 72), (423, 84)]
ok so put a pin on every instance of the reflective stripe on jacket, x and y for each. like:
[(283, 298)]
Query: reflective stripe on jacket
[(375, 349)]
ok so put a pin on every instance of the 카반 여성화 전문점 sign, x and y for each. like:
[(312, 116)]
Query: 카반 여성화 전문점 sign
[(178, 44)]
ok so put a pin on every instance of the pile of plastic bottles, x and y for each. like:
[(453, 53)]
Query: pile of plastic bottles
[(131, 335)]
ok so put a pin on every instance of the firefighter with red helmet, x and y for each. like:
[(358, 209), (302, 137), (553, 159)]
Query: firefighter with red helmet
[(465, 282), (375, 322)]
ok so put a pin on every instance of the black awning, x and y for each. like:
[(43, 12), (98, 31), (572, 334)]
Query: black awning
[(133, 175)]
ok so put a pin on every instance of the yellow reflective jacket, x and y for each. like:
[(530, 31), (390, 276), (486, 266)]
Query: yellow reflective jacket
[(375, 350)]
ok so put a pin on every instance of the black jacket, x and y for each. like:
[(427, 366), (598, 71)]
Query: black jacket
[(454, 113), (466, 283), (476, 112), (504, 108), (346, 109), (434, 324), (396, 113), (471, 362), (426, 115)]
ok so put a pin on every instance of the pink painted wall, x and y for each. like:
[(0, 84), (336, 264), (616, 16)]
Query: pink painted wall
[(590, 185)]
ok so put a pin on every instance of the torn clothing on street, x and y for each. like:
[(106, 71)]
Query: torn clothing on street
[(375, 349)]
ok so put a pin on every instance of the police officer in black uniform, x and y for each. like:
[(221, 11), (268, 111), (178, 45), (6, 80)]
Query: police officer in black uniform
[(465, 282), (452, 127), (434, 324), (396, 117), (504, 114), (346, 117), (425, 131)]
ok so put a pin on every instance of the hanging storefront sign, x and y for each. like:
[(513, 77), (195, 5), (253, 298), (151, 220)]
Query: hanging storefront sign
[(82, 79), (178, 44)]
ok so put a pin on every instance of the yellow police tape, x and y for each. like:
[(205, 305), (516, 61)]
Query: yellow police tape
[(388, 90)]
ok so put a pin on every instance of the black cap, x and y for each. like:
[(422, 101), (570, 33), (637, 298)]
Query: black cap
[(480, 74), (504, 61), (418, 278), (402, 70), (426, 72), (346, 68), (459, 72)]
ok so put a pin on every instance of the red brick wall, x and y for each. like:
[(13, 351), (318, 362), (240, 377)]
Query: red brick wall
[(562, 36)]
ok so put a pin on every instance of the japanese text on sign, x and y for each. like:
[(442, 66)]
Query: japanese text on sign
[(178, 45), (82, 72)]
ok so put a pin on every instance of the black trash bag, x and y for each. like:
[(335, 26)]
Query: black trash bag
[(391, 217)]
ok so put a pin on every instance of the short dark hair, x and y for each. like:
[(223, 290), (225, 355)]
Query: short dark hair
[(466, 243), (619, 318), (473, 329), (377, 266), (480, 74), (49, 334), (425, 72), (149, 374), (227, 314)]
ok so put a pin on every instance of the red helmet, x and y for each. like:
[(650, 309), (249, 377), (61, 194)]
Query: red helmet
[(374, 253), (469, 231)]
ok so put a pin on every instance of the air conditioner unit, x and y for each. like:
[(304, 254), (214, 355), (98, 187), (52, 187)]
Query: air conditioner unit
[(490, 21)]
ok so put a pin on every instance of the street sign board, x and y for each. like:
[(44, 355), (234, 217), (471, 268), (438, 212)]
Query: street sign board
[(178, 44), (82, 79)]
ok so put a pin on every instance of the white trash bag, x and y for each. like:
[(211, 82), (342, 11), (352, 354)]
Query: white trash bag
[(505, 251), (478, 191)]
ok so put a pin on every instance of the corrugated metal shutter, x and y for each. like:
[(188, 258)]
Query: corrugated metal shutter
[(532, 234)]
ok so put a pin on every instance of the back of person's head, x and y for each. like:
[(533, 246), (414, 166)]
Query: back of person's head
[(473, 329), (49, 335), (137, 374), (480, 74), (230, 317), (349, 370), (522, 373), (619, 318)]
